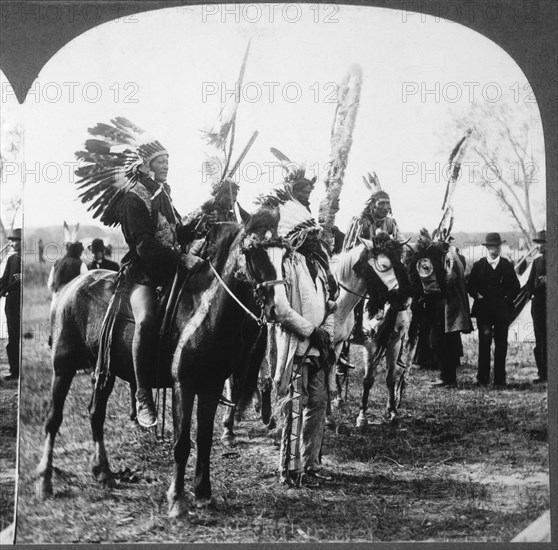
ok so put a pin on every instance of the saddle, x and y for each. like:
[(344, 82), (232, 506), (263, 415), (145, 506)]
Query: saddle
[(119, 314)]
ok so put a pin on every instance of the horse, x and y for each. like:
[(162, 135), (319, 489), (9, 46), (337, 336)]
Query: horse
[(241, 389), (430, 263), (220, 302), (374, 269)]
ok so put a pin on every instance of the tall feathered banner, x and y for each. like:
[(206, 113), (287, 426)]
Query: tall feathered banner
[(348, 101), (455, 160), (220, 137)]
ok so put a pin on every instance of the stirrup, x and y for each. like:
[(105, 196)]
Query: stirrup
[(224, 401)]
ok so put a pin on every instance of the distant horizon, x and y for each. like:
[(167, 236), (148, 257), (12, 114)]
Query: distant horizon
[(400, 133)]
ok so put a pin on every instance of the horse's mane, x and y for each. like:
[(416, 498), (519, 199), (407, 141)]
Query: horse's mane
[(346, 261), (219, 249), (265, 218)]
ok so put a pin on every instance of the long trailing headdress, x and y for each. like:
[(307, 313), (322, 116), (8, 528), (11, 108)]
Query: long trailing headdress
[(113, 160)]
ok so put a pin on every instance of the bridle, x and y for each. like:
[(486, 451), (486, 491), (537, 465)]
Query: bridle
[(254, 242), (350, 291)]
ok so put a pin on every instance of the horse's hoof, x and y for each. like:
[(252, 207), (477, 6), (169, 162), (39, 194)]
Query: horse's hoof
[(330, 422), (104, 476), (272, 424), (43, 488), (339, 402), (228, 437), (177, 508), (206, 503), (361, 421)]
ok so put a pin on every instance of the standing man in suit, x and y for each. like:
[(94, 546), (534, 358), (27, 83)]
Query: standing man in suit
[(493, 285), (10, 287), (97, 248), (536, 287)]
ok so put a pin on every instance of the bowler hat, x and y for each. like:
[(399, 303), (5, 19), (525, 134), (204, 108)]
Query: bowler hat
[(540, 237), (493, 239), (15, 235), (97, 245)]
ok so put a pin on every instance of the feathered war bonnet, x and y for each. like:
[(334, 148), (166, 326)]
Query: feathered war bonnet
[(113, 161), (296, 221)]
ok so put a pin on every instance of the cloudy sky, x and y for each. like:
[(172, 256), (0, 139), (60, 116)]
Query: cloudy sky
[(168, 71)]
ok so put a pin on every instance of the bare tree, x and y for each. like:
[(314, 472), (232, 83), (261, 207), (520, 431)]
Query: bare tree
[(508, 146), (12, 200)]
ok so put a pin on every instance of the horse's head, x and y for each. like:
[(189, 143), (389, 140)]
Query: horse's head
[(380, 265), (264, 251), (430, 264)]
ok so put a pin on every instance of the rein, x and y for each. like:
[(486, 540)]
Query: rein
[(231, 294), (350, 291)]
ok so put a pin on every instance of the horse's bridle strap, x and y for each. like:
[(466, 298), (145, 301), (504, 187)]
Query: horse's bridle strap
[(350, 291), (271, 283), (231, 294)]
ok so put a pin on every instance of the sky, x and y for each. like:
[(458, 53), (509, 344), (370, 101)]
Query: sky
[(168, 71)]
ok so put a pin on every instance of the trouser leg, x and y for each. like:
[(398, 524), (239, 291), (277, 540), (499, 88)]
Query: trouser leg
[(13, 318), (539, 323), (450, 357), (314, 398), (485, 341), (143, 300), (500, 351), (292, 423)]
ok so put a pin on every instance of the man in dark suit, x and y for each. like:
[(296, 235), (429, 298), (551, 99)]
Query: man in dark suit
[(97, 247), (536, 288), (10, 287), (493, 284)]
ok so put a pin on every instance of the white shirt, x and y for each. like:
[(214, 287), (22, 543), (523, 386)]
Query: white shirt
[(493, 263)]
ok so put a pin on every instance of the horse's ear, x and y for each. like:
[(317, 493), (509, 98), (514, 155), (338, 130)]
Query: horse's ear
[(245, 217), (367, 243)]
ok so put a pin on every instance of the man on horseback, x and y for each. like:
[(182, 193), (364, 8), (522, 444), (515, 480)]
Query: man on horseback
[(376, 217), (138, 198), (151, 227)]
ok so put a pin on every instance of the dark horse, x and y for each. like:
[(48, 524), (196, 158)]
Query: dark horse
[(211, 337)]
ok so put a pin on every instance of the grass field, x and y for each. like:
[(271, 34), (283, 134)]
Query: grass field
[(469, 464)]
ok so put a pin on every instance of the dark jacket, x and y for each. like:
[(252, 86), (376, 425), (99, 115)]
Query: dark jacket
[(498, 288), (8, 285), (103, 264), (536, 284)]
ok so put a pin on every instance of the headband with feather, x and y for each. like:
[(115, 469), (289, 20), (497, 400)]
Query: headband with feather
[(294, 175), (111, 165)]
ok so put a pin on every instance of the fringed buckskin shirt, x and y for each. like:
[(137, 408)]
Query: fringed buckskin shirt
[(308, 310)]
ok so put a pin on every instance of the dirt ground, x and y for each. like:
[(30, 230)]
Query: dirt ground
[(469, 464)]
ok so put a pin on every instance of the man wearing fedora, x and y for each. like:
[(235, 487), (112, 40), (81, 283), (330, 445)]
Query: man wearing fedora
[(10, 287), (493, 285), (97, 248), (536, 289)]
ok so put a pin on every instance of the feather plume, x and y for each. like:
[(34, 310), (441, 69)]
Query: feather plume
[(105, 174), (372, 181)]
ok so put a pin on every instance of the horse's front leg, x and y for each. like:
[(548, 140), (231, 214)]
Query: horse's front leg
[(61, 383), (207, 407), (229, 416), (368, 381), (182, 405), (97, 414), (392, 353)]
